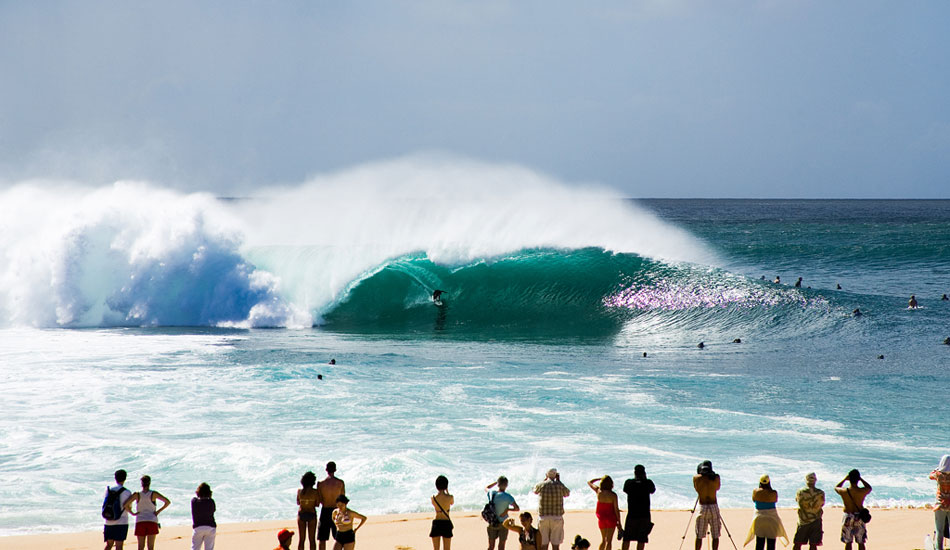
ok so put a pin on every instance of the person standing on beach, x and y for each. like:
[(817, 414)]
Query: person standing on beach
[(503, 503), (329, 490), (638, 525), (551, 509), (343, 519), (307, 499), (202, 519), (146, 514), (766, 524), (810, 502), (607, 511), (117, 530), (942, 509), (707, 484), (853, 528), (442, 524)]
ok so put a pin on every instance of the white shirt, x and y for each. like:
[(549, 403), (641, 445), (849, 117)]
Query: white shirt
[(123, 498)]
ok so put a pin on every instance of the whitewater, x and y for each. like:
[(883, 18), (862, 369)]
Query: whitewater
[(132, 254), (188, 335)]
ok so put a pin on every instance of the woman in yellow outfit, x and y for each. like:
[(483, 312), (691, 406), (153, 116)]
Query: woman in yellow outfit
[(766, 525)]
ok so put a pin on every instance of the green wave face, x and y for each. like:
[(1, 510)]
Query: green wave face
[(585, 293), (538, 291)]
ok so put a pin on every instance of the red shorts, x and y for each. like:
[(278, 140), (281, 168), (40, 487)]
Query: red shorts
[(145, 528)]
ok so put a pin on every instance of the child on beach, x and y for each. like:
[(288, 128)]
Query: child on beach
[(442, 524), (607, 511), (580, 543), (202, 519), (528, 535)]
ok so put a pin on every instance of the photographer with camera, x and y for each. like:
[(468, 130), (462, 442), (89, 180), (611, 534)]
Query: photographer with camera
[(856, 516)]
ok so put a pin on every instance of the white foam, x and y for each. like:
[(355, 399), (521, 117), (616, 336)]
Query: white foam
[(135, 254)]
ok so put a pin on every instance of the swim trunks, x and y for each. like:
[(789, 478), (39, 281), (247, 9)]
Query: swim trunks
[(326, 526), (809, 533), (497, 532), (853, 529), (708, 519), (115, 532)]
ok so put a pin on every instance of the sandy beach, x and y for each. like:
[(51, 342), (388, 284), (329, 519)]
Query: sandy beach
[(902, 529)]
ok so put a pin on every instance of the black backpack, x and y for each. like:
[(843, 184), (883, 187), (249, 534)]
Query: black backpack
[(112, 504), (488, 512)]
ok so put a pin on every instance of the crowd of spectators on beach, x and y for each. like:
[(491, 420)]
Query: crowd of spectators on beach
[(323, 512)]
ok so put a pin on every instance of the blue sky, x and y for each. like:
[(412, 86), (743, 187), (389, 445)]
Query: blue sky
[(655, 98)]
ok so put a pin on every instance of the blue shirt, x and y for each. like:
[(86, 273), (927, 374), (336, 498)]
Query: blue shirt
[(502, 501)]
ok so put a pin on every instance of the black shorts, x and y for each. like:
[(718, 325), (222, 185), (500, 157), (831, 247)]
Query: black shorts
[(441, 528), (306, 517), (345, 537), (637, 529), (326, 527), (115, 532), (809, 533)]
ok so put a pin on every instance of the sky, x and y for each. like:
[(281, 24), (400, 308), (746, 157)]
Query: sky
[(678, 98)]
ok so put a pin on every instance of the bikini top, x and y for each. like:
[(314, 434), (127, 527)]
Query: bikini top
[(342, 519), (528, 536)]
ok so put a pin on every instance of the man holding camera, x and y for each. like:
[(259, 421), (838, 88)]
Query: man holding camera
[(853, 527), (551, 509)]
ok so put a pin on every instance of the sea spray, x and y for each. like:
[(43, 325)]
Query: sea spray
[(133, 254), (128, 255), (323, 237)]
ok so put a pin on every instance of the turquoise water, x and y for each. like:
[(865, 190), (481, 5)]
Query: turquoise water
[(535, 360)]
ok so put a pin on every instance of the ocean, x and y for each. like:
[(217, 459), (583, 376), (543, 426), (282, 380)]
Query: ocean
[(185, 337)]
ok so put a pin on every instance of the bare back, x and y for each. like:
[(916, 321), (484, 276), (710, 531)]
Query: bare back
[(706, 488), (853, 497), (329, 489)]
